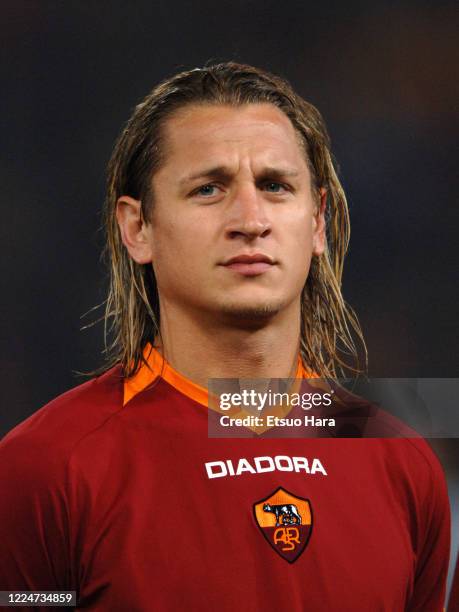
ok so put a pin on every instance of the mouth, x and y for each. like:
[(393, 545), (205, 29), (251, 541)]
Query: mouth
[(250, 265)]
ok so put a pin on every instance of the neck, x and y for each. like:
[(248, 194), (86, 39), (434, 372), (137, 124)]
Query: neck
[(215, 348)]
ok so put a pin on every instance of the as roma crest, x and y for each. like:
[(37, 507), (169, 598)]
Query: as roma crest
[(285, 520)]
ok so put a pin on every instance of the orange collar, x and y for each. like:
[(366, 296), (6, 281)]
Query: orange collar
[(156, 366)]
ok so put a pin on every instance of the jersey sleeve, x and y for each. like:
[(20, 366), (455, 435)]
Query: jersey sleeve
[(434, 539), (33, 515)]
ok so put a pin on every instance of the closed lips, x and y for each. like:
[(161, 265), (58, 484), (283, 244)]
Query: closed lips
[(249, 259)]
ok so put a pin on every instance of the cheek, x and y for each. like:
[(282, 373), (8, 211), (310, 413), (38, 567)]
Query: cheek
[(175, 254), (300, 247), (300, 237)]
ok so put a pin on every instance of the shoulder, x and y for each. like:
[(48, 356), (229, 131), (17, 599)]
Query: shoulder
[(405, 468), (36, 501), (44, 441), (418, 484), (415, 459), (404, 450)]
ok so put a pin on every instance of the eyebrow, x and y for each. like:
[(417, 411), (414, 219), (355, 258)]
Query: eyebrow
[(223, 172)]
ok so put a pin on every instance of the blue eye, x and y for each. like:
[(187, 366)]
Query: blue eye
[(206, 190), (274, 187)]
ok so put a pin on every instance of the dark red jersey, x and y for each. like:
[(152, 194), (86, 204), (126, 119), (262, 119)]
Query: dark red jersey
[(116, 491)]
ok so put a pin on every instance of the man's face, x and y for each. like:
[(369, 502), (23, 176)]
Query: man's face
[(234, 223)]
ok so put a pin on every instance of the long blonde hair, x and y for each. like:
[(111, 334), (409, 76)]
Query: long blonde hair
[(328, 324)]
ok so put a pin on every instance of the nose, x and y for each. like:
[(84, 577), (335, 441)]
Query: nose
[(248, 214)]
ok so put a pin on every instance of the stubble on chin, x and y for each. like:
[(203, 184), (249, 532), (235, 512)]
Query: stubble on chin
[(249, 315)]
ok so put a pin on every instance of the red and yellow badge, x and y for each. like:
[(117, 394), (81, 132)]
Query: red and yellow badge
[(285, 520)]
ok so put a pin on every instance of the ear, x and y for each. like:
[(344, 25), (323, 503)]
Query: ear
[(134, 229), (319, 236)]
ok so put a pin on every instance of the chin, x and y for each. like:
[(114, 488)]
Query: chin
[(255, 313)]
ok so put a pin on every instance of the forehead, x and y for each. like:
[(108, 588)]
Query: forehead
[(199, 133)]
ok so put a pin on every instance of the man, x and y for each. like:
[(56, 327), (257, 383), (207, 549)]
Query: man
[(227, 228)]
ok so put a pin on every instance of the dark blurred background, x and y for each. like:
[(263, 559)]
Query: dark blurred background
[(383, 74)]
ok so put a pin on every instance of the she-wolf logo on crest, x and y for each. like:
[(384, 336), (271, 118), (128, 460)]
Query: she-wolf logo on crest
[(285, 520)]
